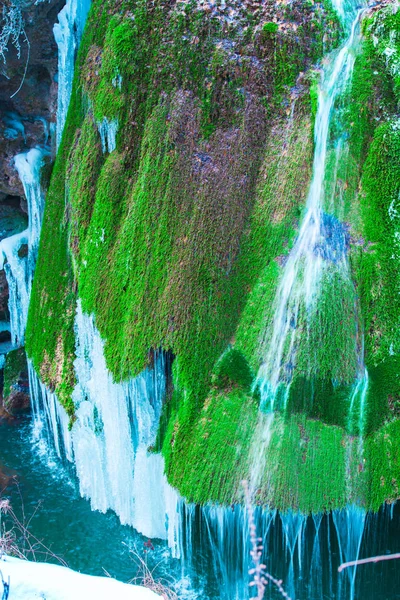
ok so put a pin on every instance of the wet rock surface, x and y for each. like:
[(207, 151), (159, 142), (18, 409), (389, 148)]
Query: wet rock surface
[(4, 312), (12, 220)]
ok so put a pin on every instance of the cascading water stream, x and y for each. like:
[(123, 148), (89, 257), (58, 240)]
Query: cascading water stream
[(19, 265), (316, 245)]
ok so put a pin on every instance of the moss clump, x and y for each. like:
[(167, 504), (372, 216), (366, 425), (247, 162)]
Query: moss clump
[(382, 451), (232, 370), (209, 462), (305, 466), (270, 27), (84, 166), (15, 366)]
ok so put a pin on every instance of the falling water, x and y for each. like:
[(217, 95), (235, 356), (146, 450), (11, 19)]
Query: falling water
[(303, 551), (349, 524), (358, 405), (18, 253), (68, 33), (293, 527), (317, 244)]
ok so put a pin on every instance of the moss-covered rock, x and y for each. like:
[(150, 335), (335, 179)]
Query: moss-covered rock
[(177, 239), (232, 370), (16, 399)]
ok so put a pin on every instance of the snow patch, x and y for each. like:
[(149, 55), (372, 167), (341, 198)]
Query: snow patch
[(30, 581)]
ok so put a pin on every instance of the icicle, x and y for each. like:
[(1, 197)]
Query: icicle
[(68, 32), (109, 442), (51, 419), (15, 262), (108, 133), (28, 166), (19, 262)]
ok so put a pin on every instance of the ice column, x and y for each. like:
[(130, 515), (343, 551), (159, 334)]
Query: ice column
[(68, 33)]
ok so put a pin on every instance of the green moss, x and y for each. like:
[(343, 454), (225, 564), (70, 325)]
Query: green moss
[(15, 366), (178, 238), (209, 465), (270, 27), (84, 166), (383, 465), (232, 369), (305, 465)]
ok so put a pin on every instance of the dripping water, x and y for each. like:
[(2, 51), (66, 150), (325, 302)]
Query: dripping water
[(319, 242)]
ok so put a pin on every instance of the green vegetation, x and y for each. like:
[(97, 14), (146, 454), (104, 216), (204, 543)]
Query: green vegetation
[(270, 27), (232, 370), (383, 461), (15, 366), (177, 240)]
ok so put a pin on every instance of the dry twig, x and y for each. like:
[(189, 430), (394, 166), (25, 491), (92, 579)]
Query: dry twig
[(364, 561), (146, 578), (258, 572)]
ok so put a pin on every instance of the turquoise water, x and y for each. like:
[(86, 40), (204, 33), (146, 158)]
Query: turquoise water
[(93, 543), (88, 541)]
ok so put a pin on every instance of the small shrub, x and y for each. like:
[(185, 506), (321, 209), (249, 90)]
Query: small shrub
[(270, 27)]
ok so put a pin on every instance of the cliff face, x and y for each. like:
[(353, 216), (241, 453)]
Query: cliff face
[(176, 197), (25, 117), (28, 91)]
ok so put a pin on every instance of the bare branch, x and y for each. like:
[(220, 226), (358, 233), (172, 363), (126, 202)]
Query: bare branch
[(12, 29), (364, 561), (260, 577)]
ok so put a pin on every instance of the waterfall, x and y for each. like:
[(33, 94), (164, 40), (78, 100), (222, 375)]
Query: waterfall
[(321, 241), (68, 33), (18, 253), (298, 549), (109, 441), (349, 524)]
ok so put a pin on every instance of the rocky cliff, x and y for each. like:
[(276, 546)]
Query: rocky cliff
[(177, 195)]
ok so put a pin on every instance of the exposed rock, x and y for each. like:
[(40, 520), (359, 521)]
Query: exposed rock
[(4, 313), (12, 218), (5, 336), (25, 118), (23, 251)]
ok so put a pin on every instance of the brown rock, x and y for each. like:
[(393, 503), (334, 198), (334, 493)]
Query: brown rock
[(4, 314), (24, 116)]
